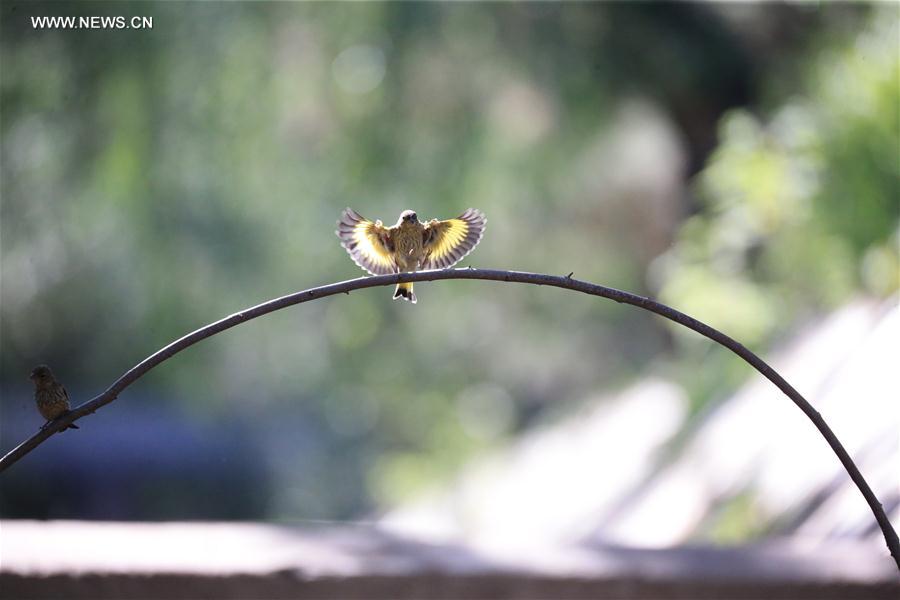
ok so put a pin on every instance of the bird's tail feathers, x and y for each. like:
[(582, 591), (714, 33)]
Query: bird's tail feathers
[(405, 291)]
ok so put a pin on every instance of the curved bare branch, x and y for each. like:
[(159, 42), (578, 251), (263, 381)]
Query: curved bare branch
[(567, 282)]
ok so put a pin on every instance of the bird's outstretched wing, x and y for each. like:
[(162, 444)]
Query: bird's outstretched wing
[(448, 242), (368, 244)]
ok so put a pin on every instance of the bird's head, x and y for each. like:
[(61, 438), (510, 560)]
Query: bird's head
[(41, 375), (408, 216)]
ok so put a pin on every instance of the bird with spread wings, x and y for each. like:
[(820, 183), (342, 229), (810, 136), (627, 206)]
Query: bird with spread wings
[(410, 245)]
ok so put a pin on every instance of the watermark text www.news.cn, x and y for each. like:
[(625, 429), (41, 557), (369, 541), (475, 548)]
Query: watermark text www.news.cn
[(105, 22)]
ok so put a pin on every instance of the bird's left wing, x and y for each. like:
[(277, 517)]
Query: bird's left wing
[(368, 244), (448, 242)]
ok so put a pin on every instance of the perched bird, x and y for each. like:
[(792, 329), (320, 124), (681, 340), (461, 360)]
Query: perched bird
[(410, 245), (49, 394)]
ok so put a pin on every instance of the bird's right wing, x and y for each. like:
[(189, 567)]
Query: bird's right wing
[(368, 244), (448, 242)]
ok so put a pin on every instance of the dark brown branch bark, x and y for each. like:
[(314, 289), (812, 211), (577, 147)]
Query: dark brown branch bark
[(566, 282)]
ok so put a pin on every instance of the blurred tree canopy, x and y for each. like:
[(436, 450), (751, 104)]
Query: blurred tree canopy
[(155, 180), (800, 206)]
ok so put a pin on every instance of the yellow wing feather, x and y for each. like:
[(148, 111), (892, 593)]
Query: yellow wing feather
[(448, 242), (367, 243)]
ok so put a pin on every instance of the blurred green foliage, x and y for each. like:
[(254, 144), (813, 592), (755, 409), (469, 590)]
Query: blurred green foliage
[(801, 206), (153, 181)]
